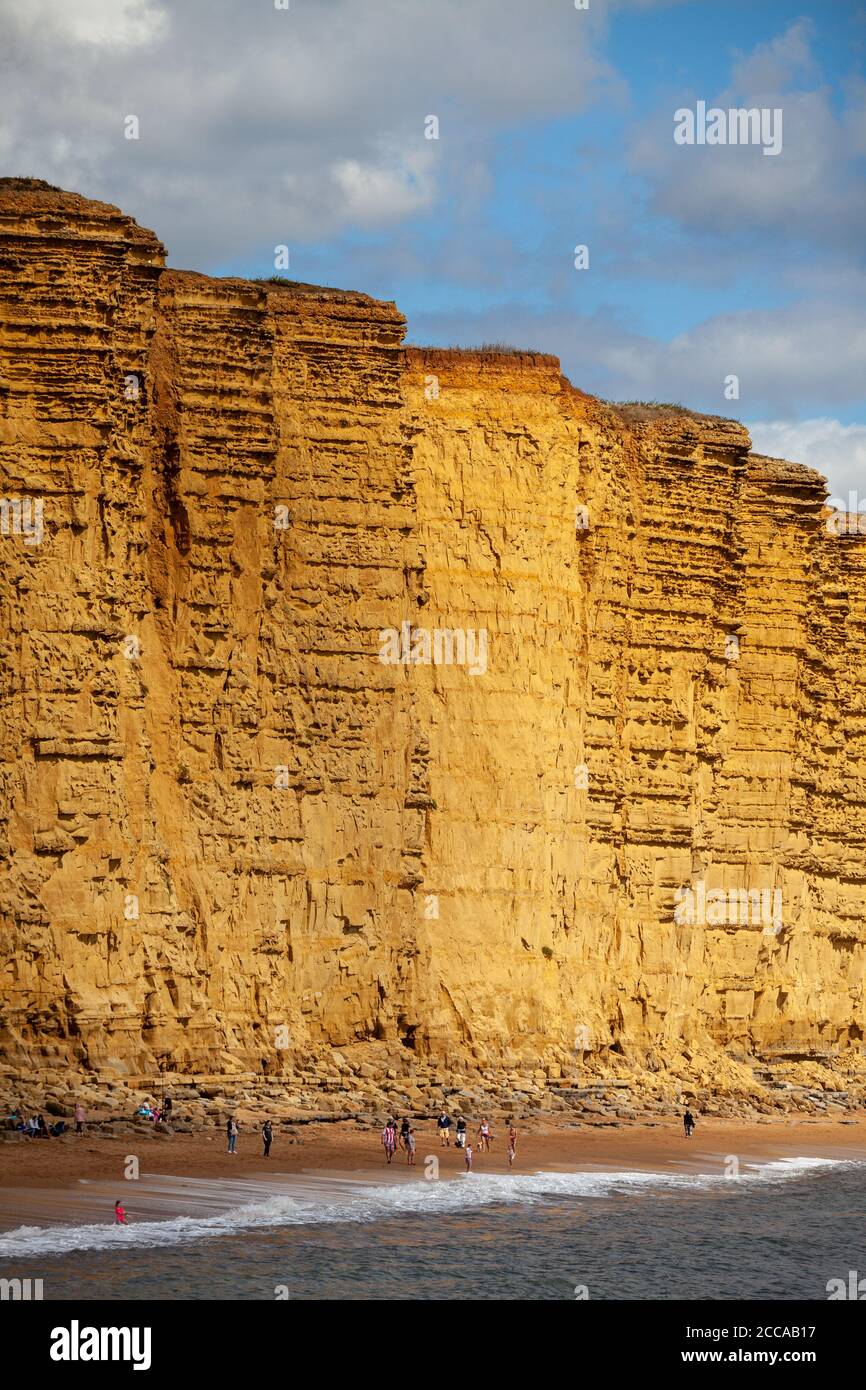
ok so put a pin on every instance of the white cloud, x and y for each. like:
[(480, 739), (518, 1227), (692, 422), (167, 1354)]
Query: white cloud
[(788, 360), (771, 66), (100, 23), (377, 193), (260, 126), (808, 191), (812, 350), (836, 450)]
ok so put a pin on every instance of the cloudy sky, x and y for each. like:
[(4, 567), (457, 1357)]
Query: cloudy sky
[(306, 126)]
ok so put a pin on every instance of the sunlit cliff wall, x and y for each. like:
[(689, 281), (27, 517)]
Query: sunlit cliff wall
[(232, 834)]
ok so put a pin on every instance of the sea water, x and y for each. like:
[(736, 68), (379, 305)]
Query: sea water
[(780, 1230)]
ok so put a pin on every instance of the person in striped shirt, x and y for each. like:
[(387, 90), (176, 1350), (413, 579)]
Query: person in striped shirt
[(389, 1139)]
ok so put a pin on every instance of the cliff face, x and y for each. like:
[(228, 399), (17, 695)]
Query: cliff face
[(360, 694)]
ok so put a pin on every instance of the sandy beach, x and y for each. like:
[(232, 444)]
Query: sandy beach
[(344, 1147)]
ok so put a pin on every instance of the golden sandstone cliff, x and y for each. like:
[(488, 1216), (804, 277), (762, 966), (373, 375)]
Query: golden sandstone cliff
[(408, 703)]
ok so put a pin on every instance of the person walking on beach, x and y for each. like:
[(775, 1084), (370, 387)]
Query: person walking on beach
[(512, 1142), (232, 1133), (688, 1123), (166, 1110), (80, 1117), (120, 1215), (461, 1132), (469, 1158), (410, 1148), (404, 1133), (484, 1136), (389, 1139), (444, 1126), (267, 1137)]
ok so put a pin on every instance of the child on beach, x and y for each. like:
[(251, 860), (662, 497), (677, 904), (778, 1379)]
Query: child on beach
[(469, 1158), (512, 1142), (389, 1139), (120, 1215), (410, 1147)]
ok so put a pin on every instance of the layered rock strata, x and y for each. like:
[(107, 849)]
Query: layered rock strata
[(363, 697)]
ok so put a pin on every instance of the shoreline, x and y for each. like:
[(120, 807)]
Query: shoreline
[(62, 1181)]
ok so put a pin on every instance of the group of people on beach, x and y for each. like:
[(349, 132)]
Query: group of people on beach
[(36, 1127), (483, 1137), (405, 1138), (159, 1114)]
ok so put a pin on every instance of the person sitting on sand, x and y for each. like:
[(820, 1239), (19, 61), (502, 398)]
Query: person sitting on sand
[(688, 1123), (119, 1215)]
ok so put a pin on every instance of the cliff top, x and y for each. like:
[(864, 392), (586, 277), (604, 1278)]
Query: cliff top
[(24, 200), (26, 203)]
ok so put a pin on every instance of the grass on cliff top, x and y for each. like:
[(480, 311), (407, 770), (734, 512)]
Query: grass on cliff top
[(495, 347), (21, 184), (641, 409), (481, 349), (635, 411)]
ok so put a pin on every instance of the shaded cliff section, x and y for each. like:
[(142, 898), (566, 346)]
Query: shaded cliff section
[(234, 838)]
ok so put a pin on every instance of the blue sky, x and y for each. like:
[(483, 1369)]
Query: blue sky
[(306, 128)]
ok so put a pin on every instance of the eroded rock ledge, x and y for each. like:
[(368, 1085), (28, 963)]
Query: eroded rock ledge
[(234, 838)]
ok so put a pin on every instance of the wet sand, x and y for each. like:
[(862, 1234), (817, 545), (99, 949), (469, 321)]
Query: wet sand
[(66, 1169)]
